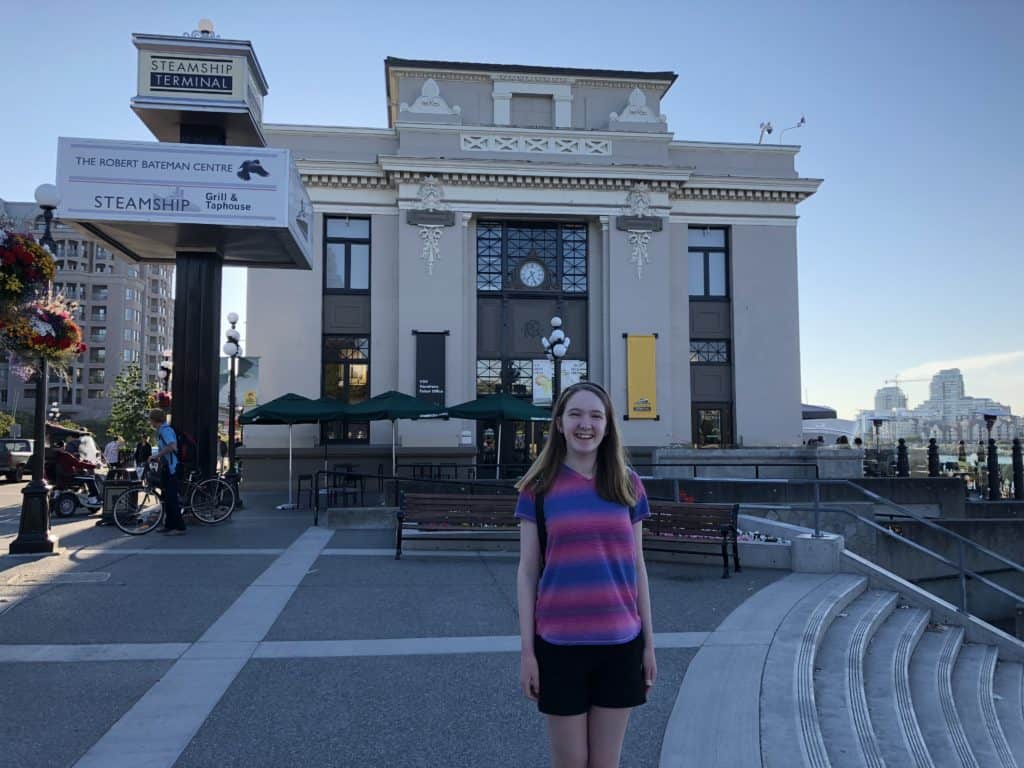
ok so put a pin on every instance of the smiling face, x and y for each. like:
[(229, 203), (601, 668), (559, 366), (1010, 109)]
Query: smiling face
[(583, 423)]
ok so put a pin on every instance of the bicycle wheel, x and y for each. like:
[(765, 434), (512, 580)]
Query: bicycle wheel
[(138, 511), (213, 501)]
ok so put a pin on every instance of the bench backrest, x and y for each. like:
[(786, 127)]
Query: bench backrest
[(459, 509), (675, 518)]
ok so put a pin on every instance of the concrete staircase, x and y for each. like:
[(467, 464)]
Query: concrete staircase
[(819, 670)]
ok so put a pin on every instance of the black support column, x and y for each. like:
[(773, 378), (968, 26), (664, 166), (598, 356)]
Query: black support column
[(197, 284)]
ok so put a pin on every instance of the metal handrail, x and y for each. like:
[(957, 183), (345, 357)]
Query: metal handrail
[(962, 541), (964, 572)]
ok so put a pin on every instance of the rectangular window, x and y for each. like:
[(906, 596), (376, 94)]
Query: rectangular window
[(488, 377), (99, 314), (97, 355), (347, 255), (709, 351), (98, 334), (346, 377), (708, 266), (100, 293), (531, 257), (97, 375), (96, 394)]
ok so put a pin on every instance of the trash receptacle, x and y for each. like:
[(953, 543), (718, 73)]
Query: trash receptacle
[(111, 490)]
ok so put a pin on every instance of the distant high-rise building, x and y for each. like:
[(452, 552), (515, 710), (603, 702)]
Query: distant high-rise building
[(125, 310), (888, 398), (947, 384)]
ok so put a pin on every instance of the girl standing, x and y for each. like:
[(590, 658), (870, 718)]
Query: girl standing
[(584, 605)]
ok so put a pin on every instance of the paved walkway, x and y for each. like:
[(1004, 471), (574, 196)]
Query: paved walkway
[(268, 642)]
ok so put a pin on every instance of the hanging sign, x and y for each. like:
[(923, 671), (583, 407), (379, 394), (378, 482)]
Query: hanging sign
[(641, 389), (430, 367)]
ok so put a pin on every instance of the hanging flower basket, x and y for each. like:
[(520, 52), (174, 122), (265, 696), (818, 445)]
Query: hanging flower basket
[(25, 269), (43, 330)]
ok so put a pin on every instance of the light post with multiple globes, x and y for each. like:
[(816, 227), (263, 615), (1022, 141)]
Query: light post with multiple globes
[(556, 346), (34, 536), (232, 349)]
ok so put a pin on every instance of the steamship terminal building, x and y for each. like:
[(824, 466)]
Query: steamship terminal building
[(500, 196)]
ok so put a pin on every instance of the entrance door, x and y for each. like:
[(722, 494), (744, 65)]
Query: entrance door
[(520, 443), (712, 425)]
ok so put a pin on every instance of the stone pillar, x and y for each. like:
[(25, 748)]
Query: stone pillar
[(933, 458)]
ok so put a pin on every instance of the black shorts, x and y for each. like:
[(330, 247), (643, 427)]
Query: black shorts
[(573, 678)]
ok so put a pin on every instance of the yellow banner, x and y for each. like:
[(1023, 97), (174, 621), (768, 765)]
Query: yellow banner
[(641, 389)]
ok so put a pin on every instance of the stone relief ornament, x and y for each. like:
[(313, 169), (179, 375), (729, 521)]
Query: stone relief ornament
[(430, 102), (638, 201), (430, 234), (431, 195), (639, 239), (637, 111)]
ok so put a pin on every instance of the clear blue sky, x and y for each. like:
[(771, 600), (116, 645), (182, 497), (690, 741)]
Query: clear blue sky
[(910, 253)]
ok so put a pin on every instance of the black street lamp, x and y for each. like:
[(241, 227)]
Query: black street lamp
[(556, 346), (34, 535), (54, 413), (232, 348)]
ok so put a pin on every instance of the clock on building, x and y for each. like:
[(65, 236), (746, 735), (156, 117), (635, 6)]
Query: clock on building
[(532, 273)]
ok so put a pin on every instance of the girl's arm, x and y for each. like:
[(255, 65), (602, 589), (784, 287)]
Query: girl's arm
[(643, 593), (526, 581), (526, 597)]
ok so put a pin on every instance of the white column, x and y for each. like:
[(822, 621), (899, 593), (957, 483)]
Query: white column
[(563, 111), (502, 108)]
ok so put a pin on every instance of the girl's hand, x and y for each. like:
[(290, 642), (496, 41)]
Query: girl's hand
[(650, 666), (529, 676)]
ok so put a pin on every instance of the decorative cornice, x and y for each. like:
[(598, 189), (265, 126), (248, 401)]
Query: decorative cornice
[(438, 74), (740, 195), (345, 181), (746, 189)]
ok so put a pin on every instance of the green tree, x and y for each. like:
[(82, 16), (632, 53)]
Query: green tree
[(6, 422), (130, 403)]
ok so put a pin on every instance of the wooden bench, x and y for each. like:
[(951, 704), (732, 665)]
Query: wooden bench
[(440, 514), (675, 520), (444, 513)]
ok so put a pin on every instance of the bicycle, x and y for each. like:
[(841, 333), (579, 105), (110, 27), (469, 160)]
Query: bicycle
[(139, 510)]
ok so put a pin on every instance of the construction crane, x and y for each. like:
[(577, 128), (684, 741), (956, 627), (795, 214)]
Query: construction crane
[(897, 381)]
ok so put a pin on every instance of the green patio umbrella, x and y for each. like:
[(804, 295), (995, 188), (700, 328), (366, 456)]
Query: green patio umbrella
[(293, 409), (501, 407), (391, 406)]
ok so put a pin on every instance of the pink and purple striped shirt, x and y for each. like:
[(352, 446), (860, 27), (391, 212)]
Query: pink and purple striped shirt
[(587, 593)]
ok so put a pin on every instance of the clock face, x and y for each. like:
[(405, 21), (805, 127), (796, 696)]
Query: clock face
[(531, 273)]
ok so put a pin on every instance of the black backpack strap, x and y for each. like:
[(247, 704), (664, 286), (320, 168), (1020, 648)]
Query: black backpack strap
[(542, 527)]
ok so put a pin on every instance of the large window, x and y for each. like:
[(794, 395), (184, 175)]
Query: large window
[(709, 351), (346, 377), (347, 255), (708, 268), (520, 256)]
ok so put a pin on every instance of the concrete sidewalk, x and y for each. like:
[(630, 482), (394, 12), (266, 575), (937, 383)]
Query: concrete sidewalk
[(267, 642)]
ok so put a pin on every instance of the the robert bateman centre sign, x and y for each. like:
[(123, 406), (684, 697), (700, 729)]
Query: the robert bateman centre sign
[(178, 184)]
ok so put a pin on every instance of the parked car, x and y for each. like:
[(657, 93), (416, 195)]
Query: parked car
[(15, 454)]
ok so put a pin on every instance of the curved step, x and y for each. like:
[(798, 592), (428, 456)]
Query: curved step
[(972, 692), (1009, 694), (887, 686), (839, 682), (790, 734), (932, 692)]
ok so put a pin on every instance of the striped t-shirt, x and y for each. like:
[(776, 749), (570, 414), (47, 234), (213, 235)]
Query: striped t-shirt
[(587, 592)]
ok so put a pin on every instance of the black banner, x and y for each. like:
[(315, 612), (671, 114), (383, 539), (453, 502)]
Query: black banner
[(430, 363)]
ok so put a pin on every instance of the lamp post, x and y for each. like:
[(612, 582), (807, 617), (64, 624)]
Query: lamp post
[(54, 413), (556, 345), (34, 536), (232, 348)]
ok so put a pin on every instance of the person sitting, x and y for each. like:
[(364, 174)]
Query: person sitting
[(69, 467)]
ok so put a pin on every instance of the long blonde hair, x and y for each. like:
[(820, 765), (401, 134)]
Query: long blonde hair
[(611, 475)]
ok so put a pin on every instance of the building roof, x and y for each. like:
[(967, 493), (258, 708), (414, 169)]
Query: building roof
[(667, 77)]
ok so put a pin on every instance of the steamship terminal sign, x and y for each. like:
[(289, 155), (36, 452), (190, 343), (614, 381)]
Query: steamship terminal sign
[(118, 186)]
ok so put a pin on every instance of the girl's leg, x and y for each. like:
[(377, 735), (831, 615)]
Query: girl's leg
[(568, 736), (606, 731)]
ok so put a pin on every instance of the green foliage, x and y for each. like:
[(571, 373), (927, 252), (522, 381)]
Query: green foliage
[(6, 422), (130, 404)]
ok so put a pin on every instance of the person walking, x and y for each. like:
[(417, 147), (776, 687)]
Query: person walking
[(587, 643), (167, 462), (143, 451)]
